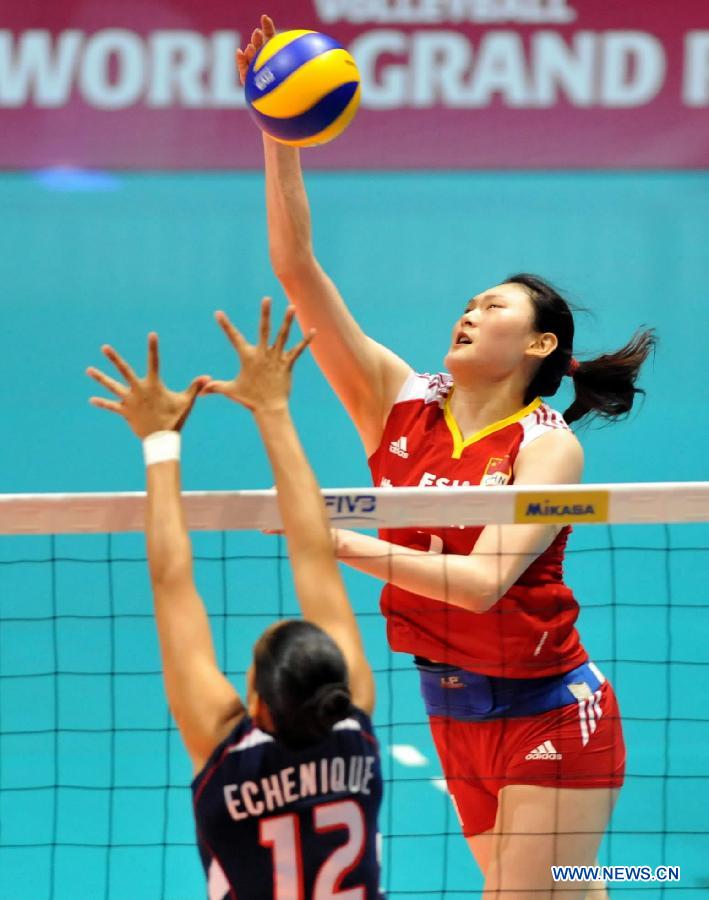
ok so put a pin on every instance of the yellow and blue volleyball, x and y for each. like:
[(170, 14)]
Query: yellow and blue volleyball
[(302, 88)]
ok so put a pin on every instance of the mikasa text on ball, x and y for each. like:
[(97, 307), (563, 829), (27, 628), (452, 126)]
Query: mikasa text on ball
[(302, 88)]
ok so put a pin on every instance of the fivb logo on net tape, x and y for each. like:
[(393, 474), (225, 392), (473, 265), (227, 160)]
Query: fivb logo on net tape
[(350, 506), (561, 507)]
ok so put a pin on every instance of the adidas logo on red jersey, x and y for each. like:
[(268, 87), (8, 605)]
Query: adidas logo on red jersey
[(544, 751), (400, 447)]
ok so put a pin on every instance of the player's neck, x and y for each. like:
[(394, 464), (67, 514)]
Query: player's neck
[(475, 407)]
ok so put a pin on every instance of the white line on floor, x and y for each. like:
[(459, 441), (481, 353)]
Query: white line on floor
[(440, 784)]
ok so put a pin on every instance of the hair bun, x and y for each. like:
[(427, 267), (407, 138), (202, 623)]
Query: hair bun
[(331, 703)]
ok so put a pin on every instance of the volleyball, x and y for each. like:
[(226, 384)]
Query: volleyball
[(302, 88)]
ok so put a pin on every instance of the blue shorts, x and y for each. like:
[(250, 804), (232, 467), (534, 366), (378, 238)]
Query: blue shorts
[(469, 697)]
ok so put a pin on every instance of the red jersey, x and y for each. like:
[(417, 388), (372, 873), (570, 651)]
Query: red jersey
[(530, 631)]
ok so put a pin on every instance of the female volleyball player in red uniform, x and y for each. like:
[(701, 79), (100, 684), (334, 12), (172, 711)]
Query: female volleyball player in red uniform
[(288, 786), (527, 728)]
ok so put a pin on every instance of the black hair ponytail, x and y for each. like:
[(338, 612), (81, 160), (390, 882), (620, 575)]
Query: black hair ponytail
[(605, 386), (315, 718)]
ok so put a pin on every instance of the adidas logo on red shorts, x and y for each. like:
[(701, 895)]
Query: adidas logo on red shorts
[(544, 751)]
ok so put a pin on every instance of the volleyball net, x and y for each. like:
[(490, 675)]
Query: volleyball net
[(94, 782)]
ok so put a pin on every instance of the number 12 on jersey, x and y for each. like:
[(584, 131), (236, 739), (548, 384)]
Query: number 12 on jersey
[(282, 835)]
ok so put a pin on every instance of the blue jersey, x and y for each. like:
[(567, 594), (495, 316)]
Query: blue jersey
[(281, 824)]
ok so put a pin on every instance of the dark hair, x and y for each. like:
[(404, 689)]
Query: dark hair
[(604, 386), (301, 675)]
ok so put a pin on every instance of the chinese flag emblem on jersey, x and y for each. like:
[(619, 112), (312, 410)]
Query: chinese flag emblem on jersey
[(498, 471)]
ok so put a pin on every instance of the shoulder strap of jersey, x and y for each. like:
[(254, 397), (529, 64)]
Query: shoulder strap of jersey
[(539, 422), (424, 386)]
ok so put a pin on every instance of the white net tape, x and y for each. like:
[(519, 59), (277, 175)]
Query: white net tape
[(667, 502)]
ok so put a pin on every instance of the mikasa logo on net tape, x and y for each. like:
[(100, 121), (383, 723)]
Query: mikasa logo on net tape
[(561, 507)]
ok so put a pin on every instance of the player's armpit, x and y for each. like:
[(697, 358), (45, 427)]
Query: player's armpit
[(365, 375), (204, 703)]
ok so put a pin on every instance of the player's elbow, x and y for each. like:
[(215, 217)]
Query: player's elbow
[(292, 264), (169, 574), (483, 596), (169, 555), (471, 583)]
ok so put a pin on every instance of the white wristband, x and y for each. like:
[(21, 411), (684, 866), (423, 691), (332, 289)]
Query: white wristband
[(161, 446)]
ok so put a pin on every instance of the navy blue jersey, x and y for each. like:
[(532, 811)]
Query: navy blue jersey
[(281, 824)]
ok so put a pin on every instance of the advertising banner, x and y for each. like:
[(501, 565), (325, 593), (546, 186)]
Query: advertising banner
[(145, 84)]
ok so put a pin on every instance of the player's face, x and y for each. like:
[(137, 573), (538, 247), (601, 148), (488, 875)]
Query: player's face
[(493, 334)]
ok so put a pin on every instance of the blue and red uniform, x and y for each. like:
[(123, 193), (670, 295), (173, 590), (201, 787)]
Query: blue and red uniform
[(512, 696), (281, 824)]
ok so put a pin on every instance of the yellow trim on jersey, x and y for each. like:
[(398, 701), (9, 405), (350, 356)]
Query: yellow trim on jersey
[(459, 444)]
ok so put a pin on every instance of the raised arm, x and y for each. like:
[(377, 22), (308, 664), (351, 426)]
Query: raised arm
[(365, 375), (204, 703), (262, 386)]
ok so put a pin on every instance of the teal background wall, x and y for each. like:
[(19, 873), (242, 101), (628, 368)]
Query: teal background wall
[(86, 751)]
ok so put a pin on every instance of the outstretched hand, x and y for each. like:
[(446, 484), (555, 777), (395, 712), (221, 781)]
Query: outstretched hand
[(145, 403), (263, 384), (259, 37)]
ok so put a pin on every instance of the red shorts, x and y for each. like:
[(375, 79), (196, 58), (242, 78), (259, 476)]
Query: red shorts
[(577, 746)]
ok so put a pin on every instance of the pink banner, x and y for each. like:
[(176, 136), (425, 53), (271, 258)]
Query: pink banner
[(143, 84)]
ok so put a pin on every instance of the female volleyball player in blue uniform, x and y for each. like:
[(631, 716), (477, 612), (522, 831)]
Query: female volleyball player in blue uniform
[(288, 784), (526, 726)]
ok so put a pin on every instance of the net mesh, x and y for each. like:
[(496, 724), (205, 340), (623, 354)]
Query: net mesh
[(94, 782)]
